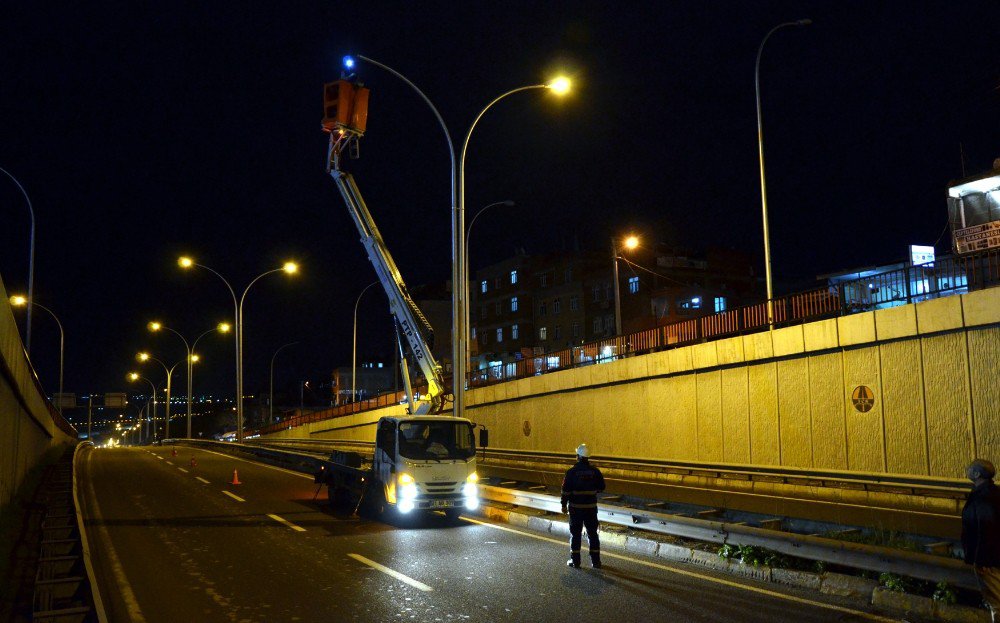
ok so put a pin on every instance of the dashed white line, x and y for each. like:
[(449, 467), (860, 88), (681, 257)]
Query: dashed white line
[(183, 470), (158, 456), (201, 479), (396, 574), (234, 496), (169, 463), (287, 523)]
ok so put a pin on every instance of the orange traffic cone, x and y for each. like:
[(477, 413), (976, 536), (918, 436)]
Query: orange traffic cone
[(194, 463), (236, 479), (173, 452)]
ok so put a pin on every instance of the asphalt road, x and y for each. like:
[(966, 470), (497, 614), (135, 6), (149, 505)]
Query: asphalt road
[(174, 542)]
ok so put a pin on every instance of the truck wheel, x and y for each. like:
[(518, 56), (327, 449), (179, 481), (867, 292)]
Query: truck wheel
[(374, 504), (340, 499)]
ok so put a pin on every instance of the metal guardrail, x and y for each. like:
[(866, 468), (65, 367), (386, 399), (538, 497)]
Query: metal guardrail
[(857, 555)]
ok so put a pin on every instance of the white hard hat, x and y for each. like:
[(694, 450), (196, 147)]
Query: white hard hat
[(583, 450)]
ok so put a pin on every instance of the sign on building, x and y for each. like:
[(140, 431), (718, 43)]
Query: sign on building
[(974, 213)]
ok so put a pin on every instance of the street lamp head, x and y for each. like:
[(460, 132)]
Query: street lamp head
[(224, 327), (185, 262), (18, 300), (804, 22), (133, 376), (509, 203), (142, 357), (349, 62), (559, 86), (154, 326), (631, 242), (194, 358), (290, 267)]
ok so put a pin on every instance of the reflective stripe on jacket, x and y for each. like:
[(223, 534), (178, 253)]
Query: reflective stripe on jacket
[(581, 485)]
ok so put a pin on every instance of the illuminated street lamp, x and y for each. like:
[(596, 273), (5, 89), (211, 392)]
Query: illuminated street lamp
[(289, 268), (133, 377), (763, 184), (143, 358), (21, 301), (629, 243), (192, 358), (459, 270)]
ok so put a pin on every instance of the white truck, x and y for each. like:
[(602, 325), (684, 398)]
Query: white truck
[(423, 460)]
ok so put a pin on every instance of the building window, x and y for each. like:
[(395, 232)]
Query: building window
[(544, 279), (574, 303), (486, 338), (543, 333), (513, 277), (568, 274), (597, 325), (558, 332), (692, 303), (609, 323), (497, 306), (482, 312), (499, 334), (496, 283), (543, 309), (514, 332), (482, 286), (607, 291), (513, 303), (597, 292), (473, 333), (557, 306), (576, 329), (633, 285), (720, 304)]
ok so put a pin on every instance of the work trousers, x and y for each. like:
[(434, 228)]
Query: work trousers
[(578, 519), (989, 581)]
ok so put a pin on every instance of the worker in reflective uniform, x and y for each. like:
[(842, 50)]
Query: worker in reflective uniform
[(580, 487)]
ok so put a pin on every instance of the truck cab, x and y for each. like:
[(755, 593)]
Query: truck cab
[(427, 463)]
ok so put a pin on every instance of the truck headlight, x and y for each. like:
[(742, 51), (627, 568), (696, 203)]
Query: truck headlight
[(470, 489), (407, 489)]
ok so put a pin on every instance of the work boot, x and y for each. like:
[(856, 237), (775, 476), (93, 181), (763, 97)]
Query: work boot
[(573, 562)]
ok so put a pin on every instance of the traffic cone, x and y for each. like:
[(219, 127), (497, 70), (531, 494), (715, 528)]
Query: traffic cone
[(194, 463), (236, 479), (173, 452)]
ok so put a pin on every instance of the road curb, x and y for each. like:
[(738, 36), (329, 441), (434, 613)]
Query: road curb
[(826, 583)]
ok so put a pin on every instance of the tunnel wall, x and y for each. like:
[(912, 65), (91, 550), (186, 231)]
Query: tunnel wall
[(29, 425)]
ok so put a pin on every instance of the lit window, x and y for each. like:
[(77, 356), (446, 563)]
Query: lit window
[(500, 334), (513, 277), (543, 309), (557, 306), (513, 303), (574, 303), (483, 286), (543, 333), (514, 332), (473, 333), (691, 303), (720, 304), (633, 285)]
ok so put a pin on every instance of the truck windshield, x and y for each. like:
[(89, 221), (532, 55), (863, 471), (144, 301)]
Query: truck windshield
[(439, 441)]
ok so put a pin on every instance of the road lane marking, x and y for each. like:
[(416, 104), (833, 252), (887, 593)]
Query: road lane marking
[(234, 496), (258, 464), (763, 591), (201, 479), (396, 574), (169, 463), (183, 470), (158, 456), (287, 523)]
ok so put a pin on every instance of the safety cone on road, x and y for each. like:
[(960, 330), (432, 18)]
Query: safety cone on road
[(194, 463), (173, 452), (236, 478)]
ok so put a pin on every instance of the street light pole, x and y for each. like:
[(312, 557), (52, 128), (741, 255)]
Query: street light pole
[(270, 402), (143, 357), (134, 376), (19, 301), (31, 264), (156, 326), (354, 350), (465, 279), (631, 242), (763, 183)]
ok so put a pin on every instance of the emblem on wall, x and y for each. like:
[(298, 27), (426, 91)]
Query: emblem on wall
[(526, 428), (863, 398)]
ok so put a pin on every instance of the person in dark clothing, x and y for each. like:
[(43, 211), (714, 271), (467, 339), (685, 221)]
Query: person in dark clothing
[(981, 531), (580, 487)]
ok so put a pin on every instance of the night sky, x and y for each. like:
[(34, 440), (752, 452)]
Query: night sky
[(142, 131)]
